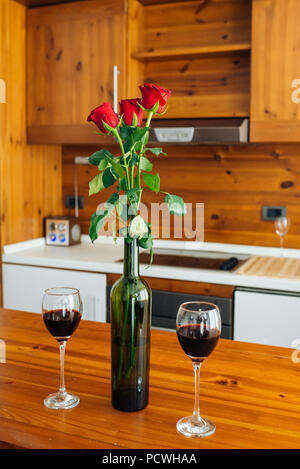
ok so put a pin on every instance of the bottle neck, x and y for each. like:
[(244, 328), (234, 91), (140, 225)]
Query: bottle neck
[(131, 258)]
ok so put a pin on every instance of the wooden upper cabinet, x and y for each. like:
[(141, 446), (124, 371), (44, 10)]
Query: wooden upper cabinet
[(200, 50), (275, 66), (72, 49)]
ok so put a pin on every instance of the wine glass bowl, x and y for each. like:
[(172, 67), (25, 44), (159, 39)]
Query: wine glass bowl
[(198, 327), (61, 312), (282, 225)]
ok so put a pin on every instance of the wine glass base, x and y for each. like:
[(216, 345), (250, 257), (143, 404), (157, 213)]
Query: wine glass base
[(61, 401), (187, 427)]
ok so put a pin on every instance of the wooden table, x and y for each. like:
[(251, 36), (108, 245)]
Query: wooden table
[(251, 392)]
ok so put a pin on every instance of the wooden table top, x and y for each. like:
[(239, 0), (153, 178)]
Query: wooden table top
[(250, 391)]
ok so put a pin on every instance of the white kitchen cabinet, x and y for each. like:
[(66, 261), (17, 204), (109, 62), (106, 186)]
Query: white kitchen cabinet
[(266, 317), (23, 288)]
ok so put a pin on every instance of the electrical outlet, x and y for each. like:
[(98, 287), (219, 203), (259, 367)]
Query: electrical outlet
[(271, 213), (70, 201)]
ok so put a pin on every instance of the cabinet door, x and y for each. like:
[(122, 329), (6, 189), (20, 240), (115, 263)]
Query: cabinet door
[(72, 49), (274, 68), (266, 318), (23, 288)]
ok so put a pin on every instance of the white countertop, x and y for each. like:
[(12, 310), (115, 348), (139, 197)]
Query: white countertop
[(103, 254)]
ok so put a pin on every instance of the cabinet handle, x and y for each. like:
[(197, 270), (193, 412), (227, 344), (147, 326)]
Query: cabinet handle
[(116, 73)]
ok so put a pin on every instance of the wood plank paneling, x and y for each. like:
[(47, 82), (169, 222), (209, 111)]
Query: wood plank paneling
[(135, 35), (232, 181), (199, 50), (30, 175), (72, 49), (275, 65), (182, 286), (201, 22), (204, 86)]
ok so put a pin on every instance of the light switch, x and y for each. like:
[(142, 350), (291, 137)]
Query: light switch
[(2, 91)]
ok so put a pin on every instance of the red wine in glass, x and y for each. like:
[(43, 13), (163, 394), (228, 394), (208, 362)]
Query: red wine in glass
[(61, 323), (198, 327), (197, 341), (61, 312)]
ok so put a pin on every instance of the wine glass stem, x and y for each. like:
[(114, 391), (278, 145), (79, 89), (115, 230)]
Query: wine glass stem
[(62, 348), (281, 246), (196, 414)]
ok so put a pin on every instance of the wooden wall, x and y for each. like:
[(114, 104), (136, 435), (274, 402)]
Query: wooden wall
[(30, 175), (232, 181)]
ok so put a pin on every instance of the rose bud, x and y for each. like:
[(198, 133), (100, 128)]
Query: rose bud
[(151, 94), (129, 107), (104, 113)]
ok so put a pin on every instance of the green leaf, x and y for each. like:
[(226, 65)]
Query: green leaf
[(97, 221), (98, 156), (113, 199), (145, 164), (134, 120), (133, 194), (111, 203), (175, 204), (152, 181), (134, 159), (108, 178), (116, 166), (103, 165), (146, 242), (109, 128), (123, 184), (126, 131), (136, 181), (156, 151), (138, 136), (122, 208), (96, 184)]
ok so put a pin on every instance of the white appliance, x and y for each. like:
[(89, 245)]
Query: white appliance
[(266, 317), (23, 288)]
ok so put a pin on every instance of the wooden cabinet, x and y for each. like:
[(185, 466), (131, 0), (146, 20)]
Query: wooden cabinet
[(201, 51), (72, 50), (92, 287), (198, 49), (275, 65), (258, 317)]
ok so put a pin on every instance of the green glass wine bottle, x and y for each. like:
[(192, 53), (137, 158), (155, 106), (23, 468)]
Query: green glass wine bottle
[(130, 306)]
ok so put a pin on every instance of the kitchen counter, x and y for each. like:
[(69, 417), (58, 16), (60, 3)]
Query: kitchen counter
[(250, 391), (104, 254)]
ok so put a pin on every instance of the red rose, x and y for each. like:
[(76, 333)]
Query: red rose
[(153, 93), (129, 107), (104, 113)]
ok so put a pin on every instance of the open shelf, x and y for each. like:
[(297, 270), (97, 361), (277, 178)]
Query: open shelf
[(190, 51)]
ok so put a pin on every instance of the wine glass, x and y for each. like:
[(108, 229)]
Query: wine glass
[(282, 226), (62, 311), (198, 327)]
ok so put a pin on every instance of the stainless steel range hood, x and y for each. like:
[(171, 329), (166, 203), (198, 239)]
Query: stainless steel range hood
[(197, 131)]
